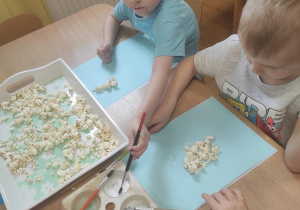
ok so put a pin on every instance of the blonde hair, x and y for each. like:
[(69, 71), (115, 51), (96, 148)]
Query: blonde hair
[(267, 25)]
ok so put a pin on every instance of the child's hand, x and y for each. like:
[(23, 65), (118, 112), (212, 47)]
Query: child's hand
[(105, 52), (226, 199), (160, 118), (142, 145)]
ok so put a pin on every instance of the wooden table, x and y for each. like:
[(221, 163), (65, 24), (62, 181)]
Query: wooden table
[(76, 38)]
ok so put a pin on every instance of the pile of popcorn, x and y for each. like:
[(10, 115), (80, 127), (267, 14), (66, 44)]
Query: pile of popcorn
[(199, 154)]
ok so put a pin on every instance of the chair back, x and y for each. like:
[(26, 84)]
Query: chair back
[(18, 26), (196, 6)]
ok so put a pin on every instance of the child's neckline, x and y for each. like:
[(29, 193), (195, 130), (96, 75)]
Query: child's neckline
[(278, 84)]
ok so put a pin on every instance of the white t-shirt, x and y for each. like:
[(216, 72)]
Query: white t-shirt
[(274, 109)]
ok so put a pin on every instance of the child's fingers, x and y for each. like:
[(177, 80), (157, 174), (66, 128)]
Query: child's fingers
[(107, 60), (138, 150), (228, 193), (155, 128), (101, 51), (105, 53), (156, 124), (152, 123), (211, 201), (219, 197), (138, 154), (104, 48), (142, 145), (142, 142), (239, 195)]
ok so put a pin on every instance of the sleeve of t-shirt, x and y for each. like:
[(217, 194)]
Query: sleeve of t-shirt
[(208, 61), (121, 11), (170, 39)]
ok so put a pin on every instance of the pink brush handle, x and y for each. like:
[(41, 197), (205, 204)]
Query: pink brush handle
[(89, 200)]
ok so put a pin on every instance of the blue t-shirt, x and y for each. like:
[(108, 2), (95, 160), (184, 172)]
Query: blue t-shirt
[(172, 27), (1, 201)]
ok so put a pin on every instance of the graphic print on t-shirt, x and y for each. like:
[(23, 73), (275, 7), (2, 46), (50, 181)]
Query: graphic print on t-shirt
[(267, 119)]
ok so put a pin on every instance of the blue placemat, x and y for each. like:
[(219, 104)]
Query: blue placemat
[(131, 66), (161, 169)]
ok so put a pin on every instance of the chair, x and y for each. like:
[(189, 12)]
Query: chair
[(196, 5), (18, 26), (238, 8)]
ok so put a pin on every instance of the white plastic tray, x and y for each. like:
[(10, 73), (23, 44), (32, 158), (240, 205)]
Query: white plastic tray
[(15, 198)]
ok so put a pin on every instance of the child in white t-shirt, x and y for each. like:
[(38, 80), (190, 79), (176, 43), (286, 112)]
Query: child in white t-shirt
[(257, 72)]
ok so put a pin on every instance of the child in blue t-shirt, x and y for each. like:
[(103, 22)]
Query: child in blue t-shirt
[(1, 200), (172, 27)]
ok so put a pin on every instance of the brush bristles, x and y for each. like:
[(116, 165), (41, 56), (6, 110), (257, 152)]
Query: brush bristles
[(110, 173), (120, 191)]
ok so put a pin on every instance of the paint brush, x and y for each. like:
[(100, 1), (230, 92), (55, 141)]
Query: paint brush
[(143, 208), (123, 154), (137, 136), (89, 200)]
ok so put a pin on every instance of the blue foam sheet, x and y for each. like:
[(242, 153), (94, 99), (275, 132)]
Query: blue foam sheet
[(161, 170), (131, 66)]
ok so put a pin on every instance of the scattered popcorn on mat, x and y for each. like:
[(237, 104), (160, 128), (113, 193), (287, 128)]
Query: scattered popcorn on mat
[(106, 86), (199, 154)]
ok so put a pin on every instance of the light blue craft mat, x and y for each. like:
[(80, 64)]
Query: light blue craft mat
[(161, 170), (131, 66)]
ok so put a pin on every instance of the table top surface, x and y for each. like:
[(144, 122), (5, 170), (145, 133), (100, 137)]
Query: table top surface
[(76, 38)]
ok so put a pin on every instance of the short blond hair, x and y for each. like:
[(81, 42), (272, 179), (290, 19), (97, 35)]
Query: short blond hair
[(267, 25)]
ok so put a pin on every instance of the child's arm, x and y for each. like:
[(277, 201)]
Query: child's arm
[(111, 28), (181, 77), (155, 89), (292, 154), (226, 199)]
